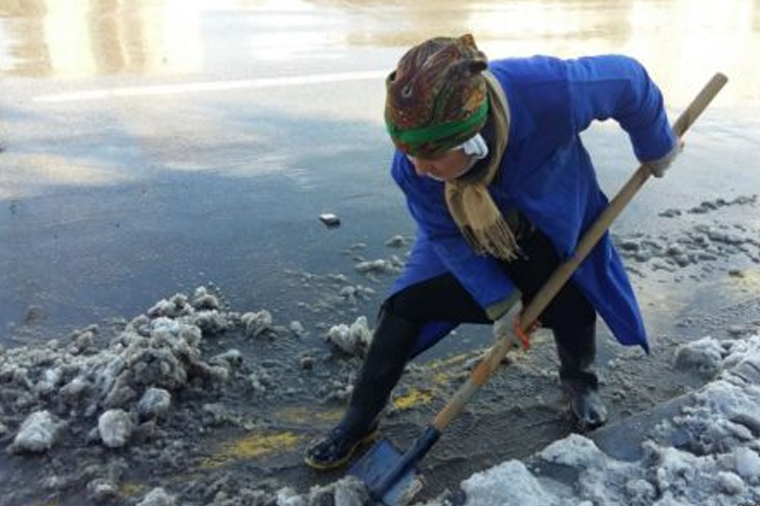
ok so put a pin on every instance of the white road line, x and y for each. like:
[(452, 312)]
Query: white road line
[(176, 89)]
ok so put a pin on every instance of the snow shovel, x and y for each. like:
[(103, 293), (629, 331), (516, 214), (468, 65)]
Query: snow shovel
[(392, 477)]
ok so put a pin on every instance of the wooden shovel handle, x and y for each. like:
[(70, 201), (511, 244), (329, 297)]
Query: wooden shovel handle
[(499, 350)]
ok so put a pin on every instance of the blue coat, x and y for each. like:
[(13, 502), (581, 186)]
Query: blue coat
[(546, 173)]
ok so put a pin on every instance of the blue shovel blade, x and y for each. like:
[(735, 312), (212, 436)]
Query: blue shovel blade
[(373, 468)]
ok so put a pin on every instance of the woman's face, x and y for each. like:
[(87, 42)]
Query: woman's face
[(444, 168)]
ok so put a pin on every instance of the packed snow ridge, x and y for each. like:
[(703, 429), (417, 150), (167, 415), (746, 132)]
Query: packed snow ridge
[(707, 455)]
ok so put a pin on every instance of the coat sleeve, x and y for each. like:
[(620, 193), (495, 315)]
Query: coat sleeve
[(618, 87), (482, 276)]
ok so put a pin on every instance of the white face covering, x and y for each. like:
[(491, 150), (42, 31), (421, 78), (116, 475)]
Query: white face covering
[(475, 147)]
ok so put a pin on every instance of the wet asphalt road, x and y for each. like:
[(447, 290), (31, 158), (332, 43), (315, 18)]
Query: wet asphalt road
[(152, 147)]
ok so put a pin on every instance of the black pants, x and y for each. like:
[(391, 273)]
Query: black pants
[(570, 316), (443, 298)]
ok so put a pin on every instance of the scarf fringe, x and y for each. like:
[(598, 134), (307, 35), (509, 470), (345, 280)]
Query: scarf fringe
[(497, 240), (469, 202)]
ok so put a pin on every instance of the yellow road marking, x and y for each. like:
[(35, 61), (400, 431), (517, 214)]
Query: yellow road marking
[(298, 414), (252, 446), (413, 398)]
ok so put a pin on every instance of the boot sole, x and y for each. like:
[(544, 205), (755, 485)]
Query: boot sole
[(327, 466), (580, 424), (585, 427)]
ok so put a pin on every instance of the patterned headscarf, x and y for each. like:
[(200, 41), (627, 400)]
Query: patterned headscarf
[(437, 97), (440, 96)]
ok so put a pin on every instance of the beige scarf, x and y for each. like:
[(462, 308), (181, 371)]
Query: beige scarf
[(469, 202)]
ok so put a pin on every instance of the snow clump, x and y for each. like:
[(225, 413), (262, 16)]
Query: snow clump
[(393, 265), (115, 427), (38, 433), (158, 497), (702, 356), (353, 339)]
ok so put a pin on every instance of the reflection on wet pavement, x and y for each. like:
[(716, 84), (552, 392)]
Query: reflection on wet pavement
[(680, 41), (78, 38)]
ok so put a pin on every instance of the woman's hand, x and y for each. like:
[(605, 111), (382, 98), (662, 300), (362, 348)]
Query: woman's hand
[(659, 166)]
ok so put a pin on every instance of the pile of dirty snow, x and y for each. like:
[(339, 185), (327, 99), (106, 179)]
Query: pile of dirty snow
[(85, 390), (715, 461), (121, 387)]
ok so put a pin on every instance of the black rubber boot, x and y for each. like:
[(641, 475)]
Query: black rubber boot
[(577, 351), (388, 353)]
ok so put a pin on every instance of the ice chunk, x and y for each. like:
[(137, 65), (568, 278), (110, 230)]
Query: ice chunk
[(702, 356), (115, 428), (174, 307), (731, 483), (256, 323), (508, 484), (38, 433), (397, 241), (747, 463), (288, 497), (575, 450), (353, 339), (203, 300), (158, 497), (348, 491), (155, 403)]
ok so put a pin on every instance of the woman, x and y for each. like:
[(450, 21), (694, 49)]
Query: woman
[(498, 181)]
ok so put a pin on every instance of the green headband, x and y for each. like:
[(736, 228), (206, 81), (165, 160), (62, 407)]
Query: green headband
[(432, 133)]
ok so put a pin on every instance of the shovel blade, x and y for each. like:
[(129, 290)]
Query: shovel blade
[(373, 469)]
